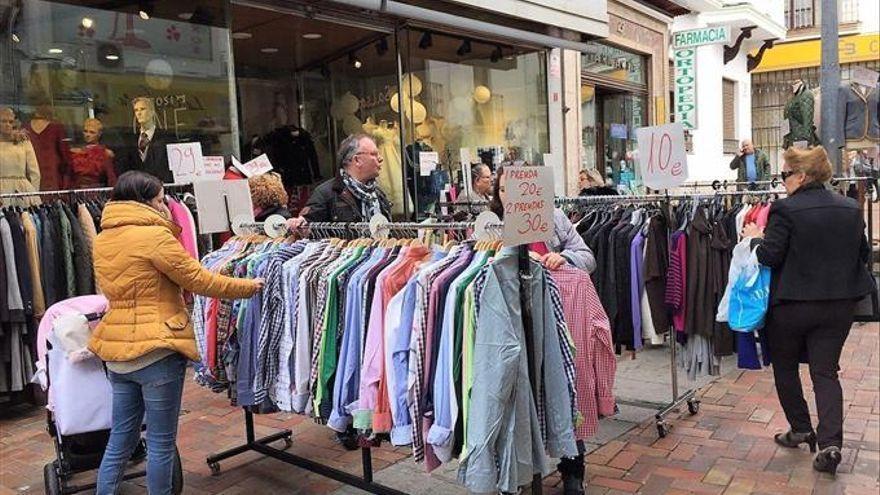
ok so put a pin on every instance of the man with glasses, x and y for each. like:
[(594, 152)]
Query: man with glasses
[(476, 199), (353, 195)]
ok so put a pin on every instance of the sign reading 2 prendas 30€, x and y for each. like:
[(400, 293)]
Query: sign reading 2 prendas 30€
[(528, 204)]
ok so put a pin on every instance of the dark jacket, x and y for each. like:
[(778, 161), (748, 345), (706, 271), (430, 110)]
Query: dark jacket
[(599, 191), (762, 166), (816, 247), (333, 202), (154, 163), (799, 113)]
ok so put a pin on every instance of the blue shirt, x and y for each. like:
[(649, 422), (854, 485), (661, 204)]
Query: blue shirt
[(751, 170)]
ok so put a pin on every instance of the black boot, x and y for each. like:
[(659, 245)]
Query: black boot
[(827, 460), (572, 471), (794, 440)]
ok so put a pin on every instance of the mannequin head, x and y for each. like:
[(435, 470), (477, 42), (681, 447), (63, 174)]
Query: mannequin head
[(144, 112), (92, 129), (7, 123)]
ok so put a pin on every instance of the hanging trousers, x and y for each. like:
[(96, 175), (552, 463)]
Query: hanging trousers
[(820, 327)]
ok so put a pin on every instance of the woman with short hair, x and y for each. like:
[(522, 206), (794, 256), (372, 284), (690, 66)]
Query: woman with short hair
[(815, 245)]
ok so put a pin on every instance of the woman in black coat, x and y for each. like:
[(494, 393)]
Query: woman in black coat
[(816, 248)]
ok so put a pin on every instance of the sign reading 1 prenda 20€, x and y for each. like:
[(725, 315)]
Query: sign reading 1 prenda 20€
[(685, 105)]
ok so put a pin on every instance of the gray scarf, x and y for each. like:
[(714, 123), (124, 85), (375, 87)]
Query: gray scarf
[(366, 194)]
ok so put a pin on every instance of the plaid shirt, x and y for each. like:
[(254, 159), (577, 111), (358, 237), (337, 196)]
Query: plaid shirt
[(595, 365), (271, 326), (566, 345), (417, 343), (322, 277)]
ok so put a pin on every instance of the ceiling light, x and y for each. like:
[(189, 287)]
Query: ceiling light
[(55, 51), (313, 36), (15, 38), (87, 22), (269, 50), (145, 10), (425, 41), (241, 35), (111, 57), (354, 61), (496, 54), (382, 47), (185, 15), (464, 49), (144, 15)]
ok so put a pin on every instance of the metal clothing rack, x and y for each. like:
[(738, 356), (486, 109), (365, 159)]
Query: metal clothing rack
[(70, 192), (365, 481), (773, 183), (689, 396)]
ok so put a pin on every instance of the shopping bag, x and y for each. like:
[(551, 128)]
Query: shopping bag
[(749, 297), (739, 263)]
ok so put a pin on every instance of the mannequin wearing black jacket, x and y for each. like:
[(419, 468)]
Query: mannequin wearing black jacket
[(154, 158)]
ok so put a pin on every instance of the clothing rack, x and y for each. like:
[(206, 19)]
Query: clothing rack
[(364, 482), (689, 396), (63, 192), (775, 182)]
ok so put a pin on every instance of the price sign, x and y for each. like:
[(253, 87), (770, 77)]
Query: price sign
[(428, 162), (662, 158), (528, 206), (215, 167), (864, 76), (258, 166), (185, 161)]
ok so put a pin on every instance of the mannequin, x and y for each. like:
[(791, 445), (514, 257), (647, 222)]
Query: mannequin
[(18, 161), (49, 141), (799, 113), (145, 149), (92, 165), (859, 111)]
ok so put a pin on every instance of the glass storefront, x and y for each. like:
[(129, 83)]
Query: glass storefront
[(614, 103), (64, 62), (282, 81)]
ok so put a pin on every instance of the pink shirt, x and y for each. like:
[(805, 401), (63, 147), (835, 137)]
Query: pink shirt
[(180, 217), (595, 364)]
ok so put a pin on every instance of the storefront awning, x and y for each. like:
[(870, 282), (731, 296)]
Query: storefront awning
[(808, 53), (570, 25)]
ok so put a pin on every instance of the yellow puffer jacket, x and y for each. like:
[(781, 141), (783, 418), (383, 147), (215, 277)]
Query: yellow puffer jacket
[(141, 267)]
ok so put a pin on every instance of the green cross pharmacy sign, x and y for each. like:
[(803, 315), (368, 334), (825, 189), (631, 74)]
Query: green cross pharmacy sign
[(684, 44)]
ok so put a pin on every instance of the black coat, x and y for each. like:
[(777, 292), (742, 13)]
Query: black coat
[(156, 160), (815, 245), (333, 202)]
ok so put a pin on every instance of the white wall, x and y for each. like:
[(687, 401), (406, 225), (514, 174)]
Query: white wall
[(707, 160), (869, 16)]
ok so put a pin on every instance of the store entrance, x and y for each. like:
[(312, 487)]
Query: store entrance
[(610, 118), (303, 84)]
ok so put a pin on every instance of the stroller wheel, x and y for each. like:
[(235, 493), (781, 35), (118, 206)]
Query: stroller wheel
[(177, 474), (51, 479)]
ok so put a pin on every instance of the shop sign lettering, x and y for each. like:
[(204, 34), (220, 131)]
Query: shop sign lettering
[(700, 37), (528, 207), (662, 157), (379, 99), (685, 104)]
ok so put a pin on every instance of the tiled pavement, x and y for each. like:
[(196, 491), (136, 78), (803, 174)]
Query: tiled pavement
[(725, 449)]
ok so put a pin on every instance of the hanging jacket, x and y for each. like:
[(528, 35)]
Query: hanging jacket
[(141, 268), (799, 113), (859, 116)]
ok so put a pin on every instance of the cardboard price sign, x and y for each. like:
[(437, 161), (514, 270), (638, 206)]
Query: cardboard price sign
[(215, 167), (662, 158), (258, 166), (528, 206), (185, 162)]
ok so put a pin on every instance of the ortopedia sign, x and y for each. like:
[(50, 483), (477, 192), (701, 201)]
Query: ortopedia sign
[(700, 37), (685, 104)]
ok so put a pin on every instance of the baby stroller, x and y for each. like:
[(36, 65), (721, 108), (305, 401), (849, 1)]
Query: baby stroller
[(79, 408)]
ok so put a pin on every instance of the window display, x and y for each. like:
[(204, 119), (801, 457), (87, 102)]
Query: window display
[(73, 63)]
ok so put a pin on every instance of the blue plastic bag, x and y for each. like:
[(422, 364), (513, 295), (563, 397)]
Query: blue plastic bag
[(749, 298)]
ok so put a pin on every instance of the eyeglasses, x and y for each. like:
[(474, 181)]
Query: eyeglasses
[(374, 154), (786, 174)]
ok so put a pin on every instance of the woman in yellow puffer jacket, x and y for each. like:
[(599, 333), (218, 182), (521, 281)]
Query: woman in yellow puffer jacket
[(146, 336)]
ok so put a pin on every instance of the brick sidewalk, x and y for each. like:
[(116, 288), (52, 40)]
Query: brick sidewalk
[(727, 448)]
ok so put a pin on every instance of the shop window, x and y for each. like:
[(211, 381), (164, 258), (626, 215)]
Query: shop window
[(461, 97), (728, 115), (67, 62)]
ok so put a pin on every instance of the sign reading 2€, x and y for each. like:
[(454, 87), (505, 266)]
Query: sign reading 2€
[(662, 157)]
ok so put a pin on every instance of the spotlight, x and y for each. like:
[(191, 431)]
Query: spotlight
[(464, 49), (87, 22), (496, 54), (354, 61), (382, 47), (145, 10), (425, 41), (15, 38)]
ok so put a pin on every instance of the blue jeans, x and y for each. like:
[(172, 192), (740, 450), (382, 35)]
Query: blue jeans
[(155, 391)]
